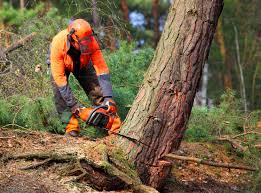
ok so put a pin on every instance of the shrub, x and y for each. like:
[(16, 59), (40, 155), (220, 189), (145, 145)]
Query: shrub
[(225, 119)]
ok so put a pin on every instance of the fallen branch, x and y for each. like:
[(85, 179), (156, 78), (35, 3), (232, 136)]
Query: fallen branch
[(258, 146), (233, 143), (210, 163), (20, 43), (10, 137), (34, 166), (247, 133)]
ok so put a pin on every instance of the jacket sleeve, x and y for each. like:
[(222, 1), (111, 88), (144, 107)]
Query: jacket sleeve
[(58, 73), (102, 71)]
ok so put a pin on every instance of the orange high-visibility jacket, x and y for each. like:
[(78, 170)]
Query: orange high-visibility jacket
[(61, 62)]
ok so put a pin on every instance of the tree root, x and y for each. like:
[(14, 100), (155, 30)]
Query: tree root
[(35, 166), (98, 173)]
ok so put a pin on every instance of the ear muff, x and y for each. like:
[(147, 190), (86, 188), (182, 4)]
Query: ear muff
[(72, 31)]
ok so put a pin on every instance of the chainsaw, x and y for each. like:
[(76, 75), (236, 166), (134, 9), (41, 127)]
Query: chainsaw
[(102, 117)]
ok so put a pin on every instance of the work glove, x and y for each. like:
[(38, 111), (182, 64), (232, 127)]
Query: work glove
[(111, 103), (76, 109)]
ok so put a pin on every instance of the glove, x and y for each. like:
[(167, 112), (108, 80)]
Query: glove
[(111, 104), (76, 108)]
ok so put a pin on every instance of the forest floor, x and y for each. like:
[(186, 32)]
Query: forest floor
[(186, 177)]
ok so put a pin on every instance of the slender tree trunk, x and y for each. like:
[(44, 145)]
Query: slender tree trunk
[(160, 113), (204, 86), (125, 10), (110, 39), (155, 13), (223, 51), (22, 5), (95, 14), (242, 81), (1, 24), (47, 5)]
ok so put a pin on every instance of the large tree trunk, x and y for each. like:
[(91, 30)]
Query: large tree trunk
[(160, 113), (155, 13)]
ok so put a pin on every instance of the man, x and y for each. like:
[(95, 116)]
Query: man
[(75, 50)]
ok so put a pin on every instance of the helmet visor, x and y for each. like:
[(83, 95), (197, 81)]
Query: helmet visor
[(90, 44), (86, 45)]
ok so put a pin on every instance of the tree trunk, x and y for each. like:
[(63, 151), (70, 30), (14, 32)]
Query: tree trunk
[(204, 86), (22, 5), (95, 14), (125, 10), (155, 13), (160, 113), (223, 51)]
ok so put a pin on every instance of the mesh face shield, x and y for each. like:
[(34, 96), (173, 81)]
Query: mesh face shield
[(90, 44)]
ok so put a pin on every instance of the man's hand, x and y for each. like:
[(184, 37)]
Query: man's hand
[(111, 104), (76, 108)]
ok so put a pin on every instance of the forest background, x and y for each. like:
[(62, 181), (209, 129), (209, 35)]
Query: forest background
[(228, 99)]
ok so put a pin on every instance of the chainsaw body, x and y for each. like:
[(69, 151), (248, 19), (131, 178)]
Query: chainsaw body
[(101, 116)]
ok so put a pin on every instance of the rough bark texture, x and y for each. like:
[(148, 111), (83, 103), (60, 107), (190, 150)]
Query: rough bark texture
[(155, 13), (162, 107)]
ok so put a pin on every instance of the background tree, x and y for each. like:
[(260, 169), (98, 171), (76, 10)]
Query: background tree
[(160, 112)]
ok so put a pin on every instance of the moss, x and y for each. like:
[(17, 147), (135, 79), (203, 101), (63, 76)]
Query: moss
[(118, 157)]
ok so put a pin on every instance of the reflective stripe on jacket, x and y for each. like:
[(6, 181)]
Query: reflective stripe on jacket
[(61, 62)]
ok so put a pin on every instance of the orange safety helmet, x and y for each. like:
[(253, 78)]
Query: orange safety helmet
[(79, 29), (81, 32)]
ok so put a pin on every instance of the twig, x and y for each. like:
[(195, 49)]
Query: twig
[(258, 146), (13, 122), (210, 163), (247, 133), (7, 137), (20, 43), (233, 143), (34, 166), (21, 127)]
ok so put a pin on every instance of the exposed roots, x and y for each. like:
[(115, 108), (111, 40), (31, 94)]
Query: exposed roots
[(92, 165)]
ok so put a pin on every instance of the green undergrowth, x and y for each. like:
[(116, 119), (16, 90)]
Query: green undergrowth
[(228, 119), (26, 97)]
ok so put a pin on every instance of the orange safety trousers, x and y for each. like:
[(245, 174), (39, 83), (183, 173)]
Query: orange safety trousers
[(88, 80)]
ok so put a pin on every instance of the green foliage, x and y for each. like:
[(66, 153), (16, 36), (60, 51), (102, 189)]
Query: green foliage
[(225, 119), (127, 68), (31, 101), (11, 16)]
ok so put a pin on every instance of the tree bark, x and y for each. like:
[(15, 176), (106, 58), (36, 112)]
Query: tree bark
[(155, 13), (160, 113)]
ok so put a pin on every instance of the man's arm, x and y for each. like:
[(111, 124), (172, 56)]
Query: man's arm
[(102, 71), (58, 74)]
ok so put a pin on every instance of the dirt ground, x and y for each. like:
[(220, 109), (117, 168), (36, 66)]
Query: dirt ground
[(186, 177)]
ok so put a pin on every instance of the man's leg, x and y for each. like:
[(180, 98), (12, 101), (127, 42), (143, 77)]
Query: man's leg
[(69, 121), (88, 80)]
